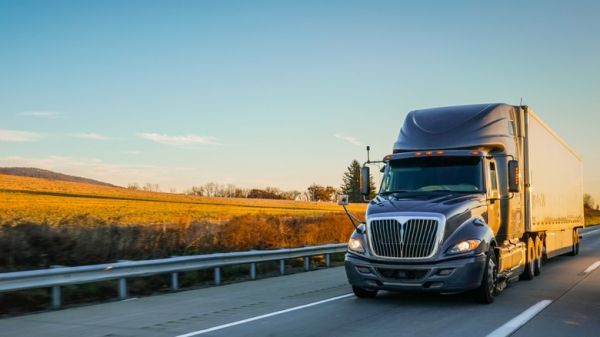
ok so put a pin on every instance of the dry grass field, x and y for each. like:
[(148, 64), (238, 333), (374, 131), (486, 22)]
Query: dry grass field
[(50, 201), (50, 222)]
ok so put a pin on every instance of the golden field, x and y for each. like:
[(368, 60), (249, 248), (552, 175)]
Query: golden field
[(42, 200)]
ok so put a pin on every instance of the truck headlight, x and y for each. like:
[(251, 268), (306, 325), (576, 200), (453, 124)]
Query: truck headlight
[(355, 243), (464, 246)]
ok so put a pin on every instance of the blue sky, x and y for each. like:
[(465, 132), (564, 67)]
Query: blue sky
[(281, 93)]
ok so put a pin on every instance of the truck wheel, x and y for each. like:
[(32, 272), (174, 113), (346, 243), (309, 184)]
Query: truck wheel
[(364, 293), (575, 247), (529, 271), (487, 290), (539, 252)]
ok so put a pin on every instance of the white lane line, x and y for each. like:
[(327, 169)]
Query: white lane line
[(511, 326), (251, 319), (593, 267)]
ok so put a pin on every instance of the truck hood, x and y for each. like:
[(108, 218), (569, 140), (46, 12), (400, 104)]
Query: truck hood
[(450, 205)]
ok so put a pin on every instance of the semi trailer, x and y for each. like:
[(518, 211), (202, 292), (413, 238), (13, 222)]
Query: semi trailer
[(472, 198)]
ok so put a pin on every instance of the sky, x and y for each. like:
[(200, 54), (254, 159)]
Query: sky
[(276, 93)]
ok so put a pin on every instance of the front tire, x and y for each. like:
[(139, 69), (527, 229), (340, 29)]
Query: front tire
[(364, 293), (487, 290)]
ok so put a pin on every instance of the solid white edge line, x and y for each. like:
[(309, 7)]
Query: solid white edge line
[(593, 267), (511, 326), (251, 319)]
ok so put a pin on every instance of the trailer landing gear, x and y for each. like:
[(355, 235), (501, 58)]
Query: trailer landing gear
[(539, 252), (575, 246), (529, 271)]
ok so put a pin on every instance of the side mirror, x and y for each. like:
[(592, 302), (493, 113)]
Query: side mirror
[(513, 176), (365, 181), (343, 200)]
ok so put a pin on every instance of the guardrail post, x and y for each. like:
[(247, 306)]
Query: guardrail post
[(217, 276), (56, 297), (253, 271), (175, 281), (282, 267), (122, 288), (327, 260), (306, 263)]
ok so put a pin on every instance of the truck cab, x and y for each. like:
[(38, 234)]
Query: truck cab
[(452, 211)]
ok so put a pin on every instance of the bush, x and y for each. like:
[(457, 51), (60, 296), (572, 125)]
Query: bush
[(83, 240)]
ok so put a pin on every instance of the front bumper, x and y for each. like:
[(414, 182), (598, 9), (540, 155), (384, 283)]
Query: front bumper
[(456, 275)]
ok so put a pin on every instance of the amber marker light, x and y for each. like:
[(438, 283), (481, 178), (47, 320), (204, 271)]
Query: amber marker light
[(418, 153), (429, 153), (439, 152), (475, 153)]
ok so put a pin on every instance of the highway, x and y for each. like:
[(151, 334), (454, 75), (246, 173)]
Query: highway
[(563, 301)]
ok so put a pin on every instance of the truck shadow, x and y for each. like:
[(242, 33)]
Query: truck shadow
[(425, 298)]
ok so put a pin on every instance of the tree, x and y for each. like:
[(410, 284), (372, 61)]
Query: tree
[(320, 193), (134, 186), (588, 201), (351, 183)]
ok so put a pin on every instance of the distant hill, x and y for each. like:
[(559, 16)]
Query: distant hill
[(46, 174)]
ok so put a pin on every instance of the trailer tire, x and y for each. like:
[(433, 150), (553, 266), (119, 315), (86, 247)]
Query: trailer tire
[(486, 292), (364, 293), (529, 272), (539, 252)]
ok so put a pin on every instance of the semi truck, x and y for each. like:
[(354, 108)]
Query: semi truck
[(472, 198)]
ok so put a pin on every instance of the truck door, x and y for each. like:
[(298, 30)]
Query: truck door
[(493, 197)]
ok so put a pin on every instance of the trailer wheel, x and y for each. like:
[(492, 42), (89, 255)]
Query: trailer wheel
[(539, 251), (487, 290), (364, 293), (575, 246), (529, 271)]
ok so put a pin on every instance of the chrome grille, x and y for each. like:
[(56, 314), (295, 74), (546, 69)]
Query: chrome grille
[(414, 238)]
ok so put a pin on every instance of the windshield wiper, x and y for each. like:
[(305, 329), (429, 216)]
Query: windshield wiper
[(452, 191), (398, 191)]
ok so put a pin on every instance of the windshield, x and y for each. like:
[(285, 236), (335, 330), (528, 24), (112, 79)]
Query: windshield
[(434, 174)]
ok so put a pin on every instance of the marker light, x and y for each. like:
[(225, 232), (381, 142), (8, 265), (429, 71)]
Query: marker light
[(429, 153), (475, 153), (419, 153), (439, 152)]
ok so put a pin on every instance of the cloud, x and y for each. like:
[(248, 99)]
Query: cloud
[(42, 114), (18, 136), (349, 139), (179, 140), (92, 136)]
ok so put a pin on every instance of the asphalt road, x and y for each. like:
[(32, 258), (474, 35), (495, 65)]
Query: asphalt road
[(563, 301)]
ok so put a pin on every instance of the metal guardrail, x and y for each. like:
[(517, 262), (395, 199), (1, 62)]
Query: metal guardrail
[(63, 276)]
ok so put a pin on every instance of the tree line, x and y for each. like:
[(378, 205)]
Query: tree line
[(315, 192)]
